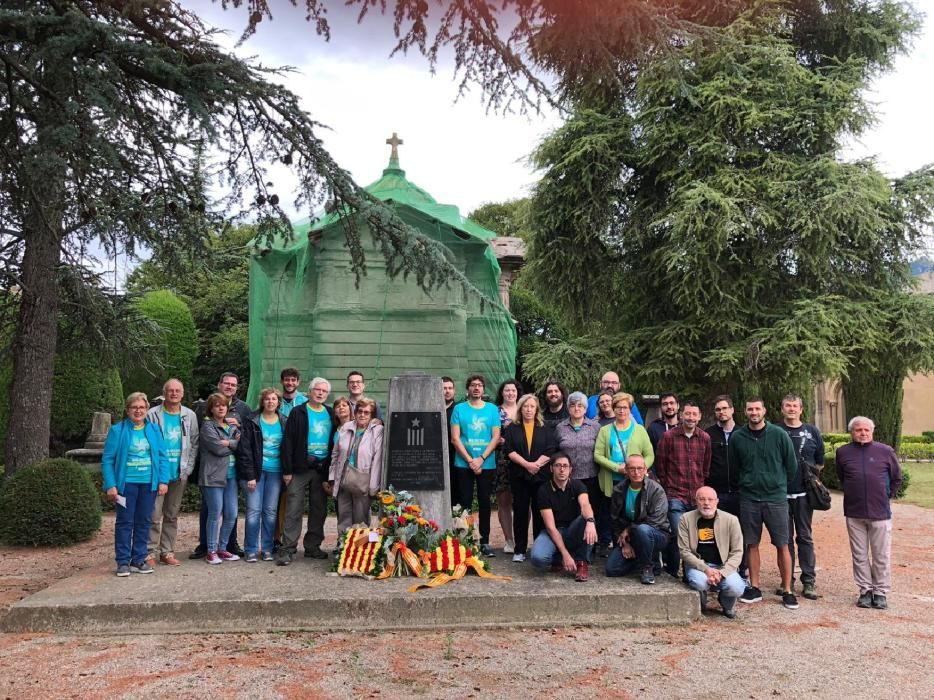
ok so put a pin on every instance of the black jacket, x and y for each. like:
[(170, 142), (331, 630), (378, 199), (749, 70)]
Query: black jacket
[(651, 507), (250, 449), (295, 458), (723, 476), (656, 429), (543, 443)]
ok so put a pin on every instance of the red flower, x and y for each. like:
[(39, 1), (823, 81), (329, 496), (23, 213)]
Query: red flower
[(434, 525), (401, 520)]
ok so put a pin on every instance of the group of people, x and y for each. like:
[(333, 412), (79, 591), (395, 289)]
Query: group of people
[(585, 470)]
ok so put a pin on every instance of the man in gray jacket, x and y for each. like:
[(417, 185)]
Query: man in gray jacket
[(179, 427)]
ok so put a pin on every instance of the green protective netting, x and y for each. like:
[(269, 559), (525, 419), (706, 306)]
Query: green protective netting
[(306, 312)]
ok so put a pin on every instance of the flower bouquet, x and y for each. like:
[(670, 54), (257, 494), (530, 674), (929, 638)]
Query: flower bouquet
[(405, 532)]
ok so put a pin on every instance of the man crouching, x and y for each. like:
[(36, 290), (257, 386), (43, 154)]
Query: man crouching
[(569, 532)]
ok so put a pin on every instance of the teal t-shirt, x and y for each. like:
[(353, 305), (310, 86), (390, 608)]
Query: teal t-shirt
[(476, 425), (319, 432), (231, 460), (352, 459), (172, 430), (617, 452), (286, 405), (631, 496), (272, 442), (139, 458)]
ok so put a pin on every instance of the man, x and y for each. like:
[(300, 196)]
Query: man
[(639, 511), (356, 385), (610, 381), (291, 396), (237, 414), (306, 459), (765, 457), (871, 476), (670, 408), (570, 530), (447, 392), (475, 429), (554, 403), (711, 545), (723, 476), (809, 448), (179, 427), (682, 463)]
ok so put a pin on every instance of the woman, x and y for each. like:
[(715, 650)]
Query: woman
[(259, 470), (529, 446), (605, 414), (218, 477), (616, 441), (356, 461), (342, 410), (507, 396), (134, 467)]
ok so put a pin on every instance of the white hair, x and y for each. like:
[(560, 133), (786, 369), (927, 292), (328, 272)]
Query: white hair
[(859, 419), (319, 380)]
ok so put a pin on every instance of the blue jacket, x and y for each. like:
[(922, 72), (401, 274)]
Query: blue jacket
[(592, 410), (117, 447)]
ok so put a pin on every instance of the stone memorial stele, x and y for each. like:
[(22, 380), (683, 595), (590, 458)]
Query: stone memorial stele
[(415, 454)]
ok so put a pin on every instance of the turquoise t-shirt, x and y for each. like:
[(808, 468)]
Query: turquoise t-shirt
[(476, 426), (231, 460), (272, 442), (617, 453), (139, 458), (172, 430), (286, 405), (352, 459), (631, 496), (319, 432)]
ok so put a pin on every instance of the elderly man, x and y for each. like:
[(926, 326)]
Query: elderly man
[(610, 381), (306, 459), (871, 476), (711, 545), (570, 529), (179, 427), (639, 512)]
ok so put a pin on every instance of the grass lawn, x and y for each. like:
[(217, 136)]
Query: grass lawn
[(921, 488)]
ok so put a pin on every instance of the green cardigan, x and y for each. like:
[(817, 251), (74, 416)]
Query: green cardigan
[(639, 444)]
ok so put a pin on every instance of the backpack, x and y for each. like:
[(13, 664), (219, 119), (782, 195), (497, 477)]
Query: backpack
[(818, 495)]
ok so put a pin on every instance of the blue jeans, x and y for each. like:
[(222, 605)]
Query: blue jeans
[(671, 555), (131, 531), (647, 543), (545, 553), (730, 587), (221, 501), (263, 501)]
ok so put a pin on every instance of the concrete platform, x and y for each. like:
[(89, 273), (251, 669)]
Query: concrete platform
[(241, 597)]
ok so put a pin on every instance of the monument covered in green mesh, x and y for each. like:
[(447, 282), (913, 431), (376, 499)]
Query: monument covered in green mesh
[(306, 312)]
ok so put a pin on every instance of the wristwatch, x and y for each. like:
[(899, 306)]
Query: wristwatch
[(589, 520)]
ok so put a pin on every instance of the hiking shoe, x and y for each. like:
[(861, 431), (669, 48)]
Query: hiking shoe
[(123, 570), (879, 602), (251, 558), (809, 592), (751, 595), (212, 558), (267, 556), (647, 576), (151, 560), (285, 558), (169, 559), (518, 557), (583, 572), (228, 556), (143, 568), (198, 553), (509, 547), (487, 551), (864, 600), (315, 553), (789, 600)]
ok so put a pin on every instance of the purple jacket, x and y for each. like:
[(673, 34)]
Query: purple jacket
[(870, 475)]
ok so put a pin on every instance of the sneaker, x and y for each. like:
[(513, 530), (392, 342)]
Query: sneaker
[(315, 553), (228, 556), (487, 551), (212, 558), (267, 556), (251, 558), (751, 595), (809, 592), (509, 547), (864, 600), (198, 553), (789, 600), (779, 591), (879, 602), (123, 570), (169, 560), (583, 572), (518, 557), (647, 576), (143, 568), (285, 558)]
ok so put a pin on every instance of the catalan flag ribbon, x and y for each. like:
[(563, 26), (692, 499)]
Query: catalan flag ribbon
[(441, 578), (358, 557), (400, 551)]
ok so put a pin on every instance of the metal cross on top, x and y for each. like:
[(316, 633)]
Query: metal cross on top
[(395, 142)]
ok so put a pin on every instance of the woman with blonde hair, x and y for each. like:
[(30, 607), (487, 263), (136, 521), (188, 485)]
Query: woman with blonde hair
[(356, 461), (529, 445)]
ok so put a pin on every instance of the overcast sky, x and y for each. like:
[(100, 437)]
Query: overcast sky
[(456, 150)]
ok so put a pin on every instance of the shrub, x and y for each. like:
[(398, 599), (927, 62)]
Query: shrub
[(49, 503), (916, 450), (80, 387), (829, 476)]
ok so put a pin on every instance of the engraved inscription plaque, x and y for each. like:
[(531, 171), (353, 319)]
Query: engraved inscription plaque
[(415, 459)]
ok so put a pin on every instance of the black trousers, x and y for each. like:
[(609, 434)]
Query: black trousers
[(524, 500), (484, 481)]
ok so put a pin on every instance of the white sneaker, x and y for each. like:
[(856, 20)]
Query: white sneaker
[(509, 547), (518, 557)]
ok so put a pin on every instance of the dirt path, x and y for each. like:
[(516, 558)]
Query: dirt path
[(827, 648)]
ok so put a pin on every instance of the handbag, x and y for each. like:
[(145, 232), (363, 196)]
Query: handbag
[(818, 495), (355, 482)]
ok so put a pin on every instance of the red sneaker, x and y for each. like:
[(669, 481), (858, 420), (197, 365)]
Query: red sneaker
[(227, 556), (583, 572), (212, 558)]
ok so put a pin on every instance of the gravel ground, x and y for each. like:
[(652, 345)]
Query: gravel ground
[(827, 648)]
